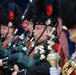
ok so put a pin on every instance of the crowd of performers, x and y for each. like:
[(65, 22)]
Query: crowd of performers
[(35, 42)]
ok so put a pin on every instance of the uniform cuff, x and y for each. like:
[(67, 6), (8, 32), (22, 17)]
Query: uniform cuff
[(23, 72)]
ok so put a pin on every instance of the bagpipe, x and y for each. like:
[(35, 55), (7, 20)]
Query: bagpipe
[(17, 47), (10, 56), (4, 52)]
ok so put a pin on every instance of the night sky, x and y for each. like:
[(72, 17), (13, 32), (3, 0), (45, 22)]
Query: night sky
[(22, 3)]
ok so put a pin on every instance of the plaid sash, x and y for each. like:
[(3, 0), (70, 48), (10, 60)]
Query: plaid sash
[(63, 42)]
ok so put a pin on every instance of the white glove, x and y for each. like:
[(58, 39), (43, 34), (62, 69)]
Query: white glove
[(54, 71), (73, 57)]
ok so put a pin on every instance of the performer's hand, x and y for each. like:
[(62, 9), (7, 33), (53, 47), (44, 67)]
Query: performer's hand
[(14, 73), (54, 71), (1, 64), (16, 68)]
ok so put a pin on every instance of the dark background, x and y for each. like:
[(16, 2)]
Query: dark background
[(21, 3)]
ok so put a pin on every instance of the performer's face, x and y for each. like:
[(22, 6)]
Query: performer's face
[(38, 31), (31, 25), (72, 33), (4, 31), (25, 25), (10, 32)]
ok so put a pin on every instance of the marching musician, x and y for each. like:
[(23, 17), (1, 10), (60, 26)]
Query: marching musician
[(68, 16), (40, 19), (10, 19)]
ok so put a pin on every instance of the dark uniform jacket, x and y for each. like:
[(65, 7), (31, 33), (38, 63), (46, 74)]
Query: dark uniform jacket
[(41, 69)]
